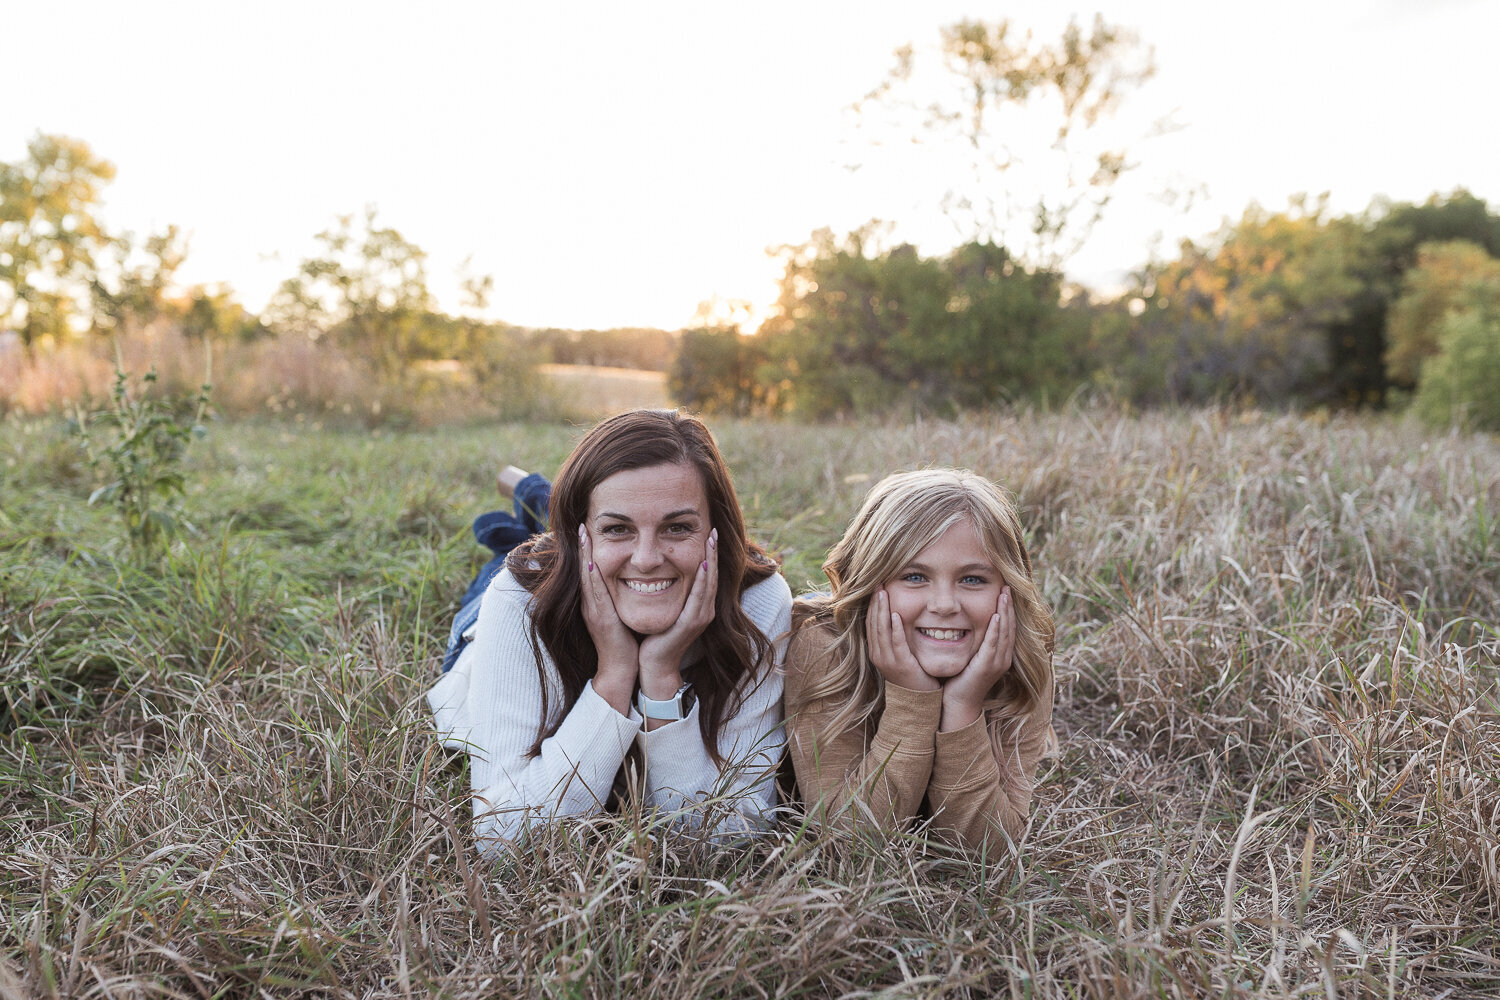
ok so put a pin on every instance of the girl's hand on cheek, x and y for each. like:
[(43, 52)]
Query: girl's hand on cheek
[(619, 654), (964, 693), (661, 655), (885, 635)]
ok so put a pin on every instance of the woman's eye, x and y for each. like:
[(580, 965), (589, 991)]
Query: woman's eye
[(913, 578), (974, 581), (613, 530), (679, 529)]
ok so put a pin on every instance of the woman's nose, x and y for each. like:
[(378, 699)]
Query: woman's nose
[(647, 554)]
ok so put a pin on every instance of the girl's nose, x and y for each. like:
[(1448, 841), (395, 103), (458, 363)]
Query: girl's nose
[(942, 600)]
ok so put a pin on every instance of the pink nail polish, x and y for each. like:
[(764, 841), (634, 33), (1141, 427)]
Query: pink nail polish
[(591, 565)]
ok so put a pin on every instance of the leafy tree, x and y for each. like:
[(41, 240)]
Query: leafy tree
[(1357, 344), (1461, 383), (993, 83), (50, 241), (1247, 315), (1446, 275), (717, 369), (859, 329), (368, 291), (142, 278)]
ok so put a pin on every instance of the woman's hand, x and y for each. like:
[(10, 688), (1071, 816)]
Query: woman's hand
[(885, 635), (619, 653), (661, 655), (964, 693)]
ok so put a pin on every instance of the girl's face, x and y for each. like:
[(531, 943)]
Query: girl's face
[(649, 532), (945, 596)]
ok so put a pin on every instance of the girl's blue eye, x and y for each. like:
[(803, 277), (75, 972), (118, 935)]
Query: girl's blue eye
[(913, 577), (974, 581)]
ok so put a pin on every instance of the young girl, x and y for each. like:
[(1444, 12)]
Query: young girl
[(921, 685)]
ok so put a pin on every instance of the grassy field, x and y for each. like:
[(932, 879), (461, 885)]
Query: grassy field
[(1279, 771)]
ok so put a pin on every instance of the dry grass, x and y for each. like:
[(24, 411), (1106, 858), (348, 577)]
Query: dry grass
[(596, 390), (307, 383), (1279, 772)]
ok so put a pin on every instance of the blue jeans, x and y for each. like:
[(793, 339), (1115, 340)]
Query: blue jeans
[(499, 531)]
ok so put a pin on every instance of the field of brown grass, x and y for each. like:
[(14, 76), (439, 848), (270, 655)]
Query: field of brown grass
[(1279, 770)]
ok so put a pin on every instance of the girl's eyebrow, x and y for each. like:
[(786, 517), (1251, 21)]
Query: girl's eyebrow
[(968, 567)]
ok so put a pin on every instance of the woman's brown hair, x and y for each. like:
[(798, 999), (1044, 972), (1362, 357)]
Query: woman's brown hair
[(548, 566)]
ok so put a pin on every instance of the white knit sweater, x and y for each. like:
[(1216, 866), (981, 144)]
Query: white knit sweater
[(490, 702)]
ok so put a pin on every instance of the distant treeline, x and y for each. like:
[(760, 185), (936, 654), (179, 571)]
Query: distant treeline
[(1291, 308), (1399, 303)]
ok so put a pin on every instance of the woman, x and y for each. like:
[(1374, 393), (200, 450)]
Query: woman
[(639, 625), (921, 685)]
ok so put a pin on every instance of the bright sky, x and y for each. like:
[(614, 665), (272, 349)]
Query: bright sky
[(615, 164)]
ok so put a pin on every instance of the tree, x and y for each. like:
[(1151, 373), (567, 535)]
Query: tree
[(860, 329), (50, 240), (994, 94), (1447, 276), (368, 292), (1247, 316), (1461, 383)]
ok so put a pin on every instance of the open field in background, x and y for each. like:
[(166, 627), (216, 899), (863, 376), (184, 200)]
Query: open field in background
[(600, 390), (1279, 771)]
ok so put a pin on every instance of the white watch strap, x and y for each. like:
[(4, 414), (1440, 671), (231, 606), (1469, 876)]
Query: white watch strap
[(675, 707)]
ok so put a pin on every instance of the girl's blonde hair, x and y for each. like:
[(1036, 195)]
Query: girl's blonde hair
[(904, 513)]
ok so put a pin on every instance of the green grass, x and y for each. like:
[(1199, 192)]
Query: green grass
[(1279, 771)]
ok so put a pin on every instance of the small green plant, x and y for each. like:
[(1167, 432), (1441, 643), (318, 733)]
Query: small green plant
[(138, 443)]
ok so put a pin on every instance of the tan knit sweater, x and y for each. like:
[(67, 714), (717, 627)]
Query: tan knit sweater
[(972, 782)]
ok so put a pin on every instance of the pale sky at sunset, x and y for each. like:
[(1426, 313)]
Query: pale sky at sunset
[(615, 164)]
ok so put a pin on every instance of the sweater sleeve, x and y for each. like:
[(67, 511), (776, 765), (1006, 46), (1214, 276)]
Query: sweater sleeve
[(679, 769), (848, 775), (491, 702), (983, 774)]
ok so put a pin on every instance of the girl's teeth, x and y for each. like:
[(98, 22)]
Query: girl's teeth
[(648, 588), (943, 634)]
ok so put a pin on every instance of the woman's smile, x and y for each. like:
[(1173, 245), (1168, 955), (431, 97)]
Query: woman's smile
[(648, 529)]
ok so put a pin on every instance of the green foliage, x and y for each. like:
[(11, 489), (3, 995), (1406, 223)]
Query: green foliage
[(1461, 384), (717, 370), (1446, 274), (138, 443), (861, 330), (50, 240)]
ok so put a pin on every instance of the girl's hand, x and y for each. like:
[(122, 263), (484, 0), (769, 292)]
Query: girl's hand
[(964, 693), (619, 653), (661, 655), (885, 635)]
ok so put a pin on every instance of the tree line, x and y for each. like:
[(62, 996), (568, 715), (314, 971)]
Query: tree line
[(1299, 307)]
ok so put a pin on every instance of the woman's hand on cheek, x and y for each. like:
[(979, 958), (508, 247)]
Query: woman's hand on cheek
[(661, 655), (619, 653), (885, 635), (964, 693)]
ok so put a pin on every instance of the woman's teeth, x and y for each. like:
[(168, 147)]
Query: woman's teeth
[(642, 587)]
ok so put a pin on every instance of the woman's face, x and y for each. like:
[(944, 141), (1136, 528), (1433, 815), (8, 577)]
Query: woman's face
[(649, 531), (945, 597)]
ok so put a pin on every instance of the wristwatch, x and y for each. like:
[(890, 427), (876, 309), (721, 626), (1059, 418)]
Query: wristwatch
[(676, 707)]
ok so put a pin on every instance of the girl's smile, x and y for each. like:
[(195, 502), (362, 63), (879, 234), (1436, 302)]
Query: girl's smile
[(945, 597)]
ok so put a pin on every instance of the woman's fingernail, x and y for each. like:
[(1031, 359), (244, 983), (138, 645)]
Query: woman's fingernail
[(705, 565), (591, 565)]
